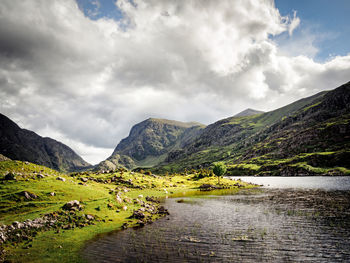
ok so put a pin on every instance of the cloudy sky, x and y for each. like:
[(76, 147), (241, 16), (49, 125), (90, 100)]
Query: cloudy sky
[(83, 72)]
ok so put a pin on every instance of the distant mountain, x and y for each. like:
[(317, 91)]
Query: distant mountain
[(309, 136), (150, 141), (248, 112), (25, 145)]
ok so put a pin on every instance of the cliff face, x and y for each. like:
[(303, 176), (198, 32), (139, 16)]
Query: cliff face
[(150, 141), (25, 145)]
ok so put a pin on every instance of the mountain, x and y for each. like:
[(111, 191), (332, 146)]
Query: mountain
[(150, 141), (309, 136), (25, 145), (248, 112)]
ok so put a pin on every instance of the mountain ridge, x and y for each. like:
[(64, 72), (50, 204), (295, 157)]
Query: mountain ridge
[(308, 126), (149, 142), (25, 145)]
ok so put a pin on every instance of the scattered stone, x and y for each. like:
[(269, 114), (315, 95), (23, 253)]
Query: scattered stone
[(151, 199), (72, 205), (127, 200), (125, 208), (29, 195), (138, 214), (140, 196), (110, 205), (40, 176), (119, 199), (61, 179), (84, 179), (89, 217), (52, 194), (162, 211)]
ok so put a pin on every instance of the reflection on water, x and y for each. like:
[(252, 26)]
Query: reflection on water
[(259, 225)]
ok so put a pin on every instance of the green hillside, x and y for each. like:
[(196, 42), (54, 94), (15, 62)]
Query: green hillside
[(37, 225), (313, 132)]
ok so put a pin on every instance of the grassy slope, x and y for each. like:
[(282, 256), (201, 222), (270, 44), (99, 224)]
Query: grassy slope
[(50, 246), (249, 147)]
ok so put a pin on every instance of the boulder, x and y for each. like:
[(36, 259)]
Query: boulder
[(89, 217), (61, 179), (29, 195), (119, 199), (138, 214), (39, 176), (162, 211), (151, 199), (72, 205)]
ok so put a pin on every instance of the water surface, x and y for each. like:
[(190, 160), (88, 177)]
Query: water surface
[(308, 224), (305, 182)]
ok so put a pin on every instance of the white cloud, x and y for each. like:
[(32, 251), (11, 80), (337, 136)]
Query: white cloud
[(87, 82), (295, 22)]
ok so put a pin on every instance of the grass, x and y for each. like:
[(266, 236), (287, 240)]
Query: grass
[(65, 246)]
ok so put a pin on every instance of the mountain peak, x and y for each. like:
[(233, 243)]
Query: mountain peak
[(173, 122), (25, 145), (248, 112)]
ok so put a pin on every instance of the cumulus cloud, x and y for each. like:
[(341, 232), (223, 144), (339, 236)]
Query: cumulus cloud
[(86, 82)]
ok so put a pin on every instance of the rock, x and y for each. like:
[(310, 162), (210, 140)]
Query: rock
[(140, 196), (138, 214), (18, 225), (10, 176), (125, 208), (162, 211), (127, 200), (84, 179), (29, 195), (52, 194), (119, 199), (151, 199), (61, 179), (39, 176), (90, 217), (72, 205), (110, 205)]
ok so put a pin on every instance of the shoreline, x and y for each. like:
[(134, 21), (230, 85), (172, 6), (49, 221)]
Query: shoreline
[(104, 199)]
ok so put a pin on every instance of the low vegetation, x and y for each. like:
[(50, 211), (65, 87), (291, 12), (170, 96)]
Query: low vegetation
[(47, 216)]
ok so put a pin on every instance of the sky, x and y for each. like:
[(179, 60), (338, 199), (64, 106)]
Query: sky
[(84, 72)]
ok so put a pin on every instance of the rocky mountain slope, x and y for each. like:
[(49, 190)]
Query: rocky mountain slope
[(150, 141), (248, 112), (309, 136), (25, 145)]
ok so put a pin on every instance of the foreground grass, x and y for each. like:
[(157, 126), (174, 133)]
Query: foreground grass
[(98, 199)]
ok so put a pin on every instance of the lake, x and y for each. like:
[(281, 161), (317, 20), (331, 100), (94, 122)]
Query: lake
[(292, 219)]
